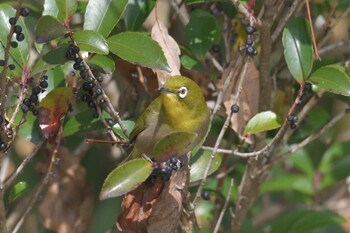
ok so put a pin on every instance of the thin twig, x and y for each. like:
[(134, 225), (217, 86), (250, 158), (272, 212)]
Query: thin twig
[(44, 181), (284, 19), (313, 137), (20, 168), (312, 31), (221, 216), (243, 10)]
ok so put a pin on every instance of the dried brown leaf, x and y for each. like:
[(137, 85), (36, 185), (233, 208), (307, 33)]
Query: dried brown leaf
[(248, 102), (67, 206), (170, 48)]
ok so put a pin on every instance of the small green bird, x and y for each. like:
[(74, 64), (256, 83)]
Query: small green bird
[(173, 123)]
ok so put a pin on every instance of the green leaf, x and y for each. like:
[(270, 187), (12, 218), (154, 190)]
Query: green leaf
[(138, 48), (18, 190), (102, 15), (331, 78), (102, 63), (41, 66), (60, 9), (56, 56), (19, 56), (288, 182), (314, 220), (126, 178), (83, 121), (129, 125), (304, 221), (30, 129), (91, 41), (340, 170), (173, 144), (261, 122), (199, 166), (48, 28), (302, 161), (298, 50), (136, 13), (202, 31), (190, 63)]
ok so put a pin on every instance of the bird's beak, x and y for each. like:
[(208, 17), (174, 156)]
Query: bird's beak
[(164, 90)]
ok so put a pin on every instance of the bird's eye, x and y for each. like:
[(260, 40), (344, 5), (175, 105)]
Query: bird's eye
[(182, 92)]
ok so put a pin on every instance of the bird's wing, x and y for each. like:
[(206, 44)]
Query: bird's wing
[(140, 124)]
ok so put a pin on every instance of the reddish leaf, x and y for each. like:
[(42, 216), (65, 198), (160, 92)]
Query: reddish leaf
[(51, 109)]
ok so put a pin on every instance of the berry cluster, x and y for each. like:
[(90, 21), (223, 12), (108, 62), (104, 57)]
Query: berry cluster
[(91, 92), (292, 119), (17, 29), (249, 43), (173, 164), (30, 103)]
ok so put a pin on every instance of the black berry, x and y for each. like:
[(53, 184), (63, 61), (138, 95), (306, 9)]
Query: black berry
[(250, 29), (35, 112), (31, 107), (27, 101), (90, 85), (292, 118), (102, 101), (24, 108), (2, 62), (34, 98), (45, 77), (100, 79), (249, 42), (234, 108), (43, 84), (76, 49), (12, 67), (216, 48), (95, 115), (24, 11), (250, 50), (12, 20), (17, 29), (3, 146), (36, 90), (98, 91), (91, 104), (89, 79), (85, 97), (76, 66), (20, 37), (205, 195), (293, 126), (14, 44), (78, 60)]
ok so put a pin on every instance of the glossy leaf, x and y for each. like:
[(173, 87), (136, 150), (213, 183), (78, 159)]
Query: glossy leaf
[(190, 63), (261, 122), (173, 144), (129, 125), (103, 63), (138, 48), (41, 66), (288, 182), (199, 166), (56, 78), (30, 130), (102, 15), (298, 50), (81, 122), (60, 9), (338, 172), (136, 13), (304, 221), (126, 178), (18, 190), (48, 28), (19, 56), (91, 41), (302, 161), (56, 56), (331, 78), (51, 109), (202, 31)]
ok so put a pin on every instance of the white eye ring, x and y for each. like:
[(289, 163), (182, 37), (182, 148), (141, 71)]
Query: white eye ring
[(183, 92)]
